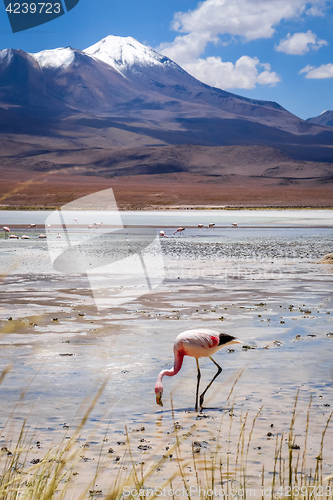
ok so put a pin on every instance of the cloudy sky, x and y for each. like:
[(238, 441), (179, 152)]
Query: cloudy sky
[(279, 50)]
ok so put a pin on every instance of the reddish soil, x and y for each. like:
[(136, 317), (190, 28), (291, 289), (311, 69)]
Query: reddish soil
[(22, 189)]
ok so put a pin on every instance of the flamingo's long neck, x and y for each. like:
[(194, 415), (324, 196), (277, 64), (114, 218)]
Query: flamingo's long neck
[(179, 357)]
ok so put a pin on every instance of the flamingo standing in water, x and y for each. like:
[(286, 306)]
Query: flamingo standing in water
[(179, 230), (197, 344)]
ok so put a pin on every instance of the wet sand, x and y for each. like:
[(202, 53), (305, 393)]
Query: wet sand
[(267, 290)]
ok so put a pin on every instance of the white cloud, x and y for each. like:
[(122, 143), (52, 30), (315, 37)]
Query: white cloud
[(248, 19), (244, 74), (186, 48), (245, 19), (324, 71), (316, 10), (300, 43)]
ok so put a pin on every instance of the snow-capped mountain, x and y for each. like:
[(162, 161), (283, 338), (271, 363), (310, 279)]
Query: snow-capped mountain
[(121, 89), (158, 73), (146, 70), (325, 118), (142, 66), (125, 52)]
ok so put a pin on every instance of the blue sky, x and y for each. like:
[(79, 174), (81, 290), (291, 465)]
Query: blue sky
[(279, 50)]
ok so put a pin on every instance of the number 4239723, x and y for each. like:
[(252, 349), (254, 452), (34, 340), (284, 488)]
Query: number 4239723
[(34, 8)]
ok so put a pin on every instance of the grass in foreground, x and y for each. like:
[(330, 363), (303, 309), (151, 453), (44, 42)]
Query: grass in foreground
[(185, 471)]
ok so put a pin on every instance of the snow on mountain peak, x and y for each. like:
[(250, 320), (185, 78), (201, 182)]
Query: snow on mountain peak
[(64, 56), (123, 52), (6, 56)]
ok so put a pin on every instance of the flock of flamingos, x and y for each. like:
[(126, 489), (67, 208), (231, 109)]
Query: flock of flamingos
[(163, 234)]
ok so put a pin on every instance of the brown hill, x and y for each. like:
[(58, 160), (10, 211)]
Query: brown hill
[(162, 176)]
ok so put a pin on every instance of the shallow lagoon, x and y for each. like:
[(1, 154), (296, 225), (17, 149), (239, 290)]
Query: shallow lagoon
[(262, 284)]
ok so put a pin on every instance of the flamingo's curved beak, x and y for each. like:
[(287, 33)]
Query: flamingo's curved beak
[(159, 399)]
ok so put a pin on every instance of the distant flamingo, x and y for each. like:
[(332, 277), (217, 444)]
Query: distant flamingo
[(25, 237), (163, 235), (197, 344), (211, 224), (32, 225), (200, 225), (13, 237), (179, 230), (6, 229)]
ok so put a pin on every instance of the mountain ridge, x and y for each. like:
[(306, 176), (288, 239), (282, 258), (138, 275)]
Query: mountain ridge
[(324, 119), (135, 59), (141, 99)]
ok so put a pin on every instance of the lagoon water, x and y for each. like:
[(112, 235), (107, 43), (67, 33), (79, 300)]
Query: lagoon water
[(261, 281)]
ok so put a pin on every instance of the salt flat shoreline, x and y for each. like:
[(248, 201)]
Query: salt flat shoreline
[(223, 219), (23, 208)]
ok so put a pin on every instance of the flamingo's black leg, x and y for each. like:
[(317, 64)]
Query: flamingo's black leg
[(219, 369), (198, 382)]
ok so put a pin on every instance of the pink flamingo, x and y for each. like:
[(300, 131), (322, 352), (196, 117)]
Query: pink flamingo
[(197, 344), (163, 235), (179, 230), (6, 229)]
